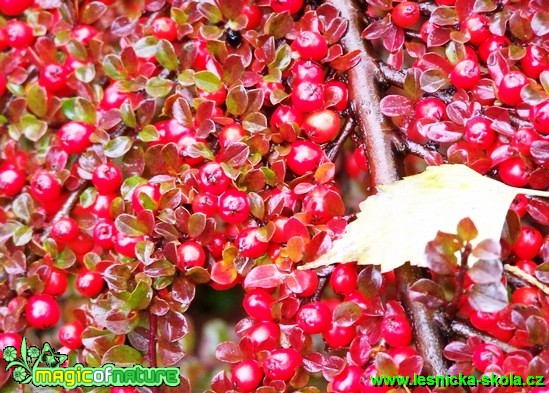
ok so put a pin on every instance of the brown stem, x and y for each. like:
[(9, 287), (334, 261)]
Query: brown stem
[(323, 274), (454, 306), (364, 95), (65, 210), (347, 129), (464, 330), (527, 278), (405, 145)]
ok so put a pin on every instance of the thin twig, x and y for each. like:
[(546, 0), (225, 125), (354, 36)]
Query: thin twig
[(65, 210), (405, 145), (458, 293), (461, 329), (153, 325), (347, 129), (376, 134), (528, 278)]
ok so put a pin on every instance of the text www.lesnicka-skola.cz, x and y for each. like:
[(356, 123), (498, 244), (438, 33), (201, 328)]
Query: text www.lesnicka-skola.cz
[(458, 380)]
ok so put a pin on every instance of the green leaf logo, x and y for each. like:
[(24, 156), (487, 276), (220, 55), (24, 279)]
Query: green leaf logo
[(10, 354)]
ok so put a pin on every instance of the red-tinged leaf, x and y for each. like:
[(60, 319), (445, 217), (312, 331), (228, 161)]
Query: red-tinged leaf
[(360, 349), (498, 66), (346, 314), (313, 361), (444, 132), (458, 351), (393, 39), (433, 80), (396, 105), (539, 210), (411, 366), (223, 273), (173, 326), (542, 272), (486, 271), (335, 30), (377, 29), (264, 276), (319, 245), (427, 292), (347, 61), (231, 8), (333, 365), (278, 25), (538, 332), (464, 8), (385, 365), (533, 94), (183, 291), (229, 352), (540, 150), (434, 61), (221, 383), (123, 26), (540, 23), (490, 297)]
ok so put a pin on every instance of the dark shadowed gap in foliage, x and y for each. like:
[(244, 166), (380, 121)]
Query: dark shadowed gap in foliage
[(211, 304)]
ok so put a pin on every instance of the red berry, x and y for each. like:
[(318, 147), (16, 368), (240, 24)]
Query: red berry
[(113, 98), (314, 317), (125, 245), (479, 134), (104, 233), (8, 339), (164, 28), (510, 87), (57, 283), (15, 7), (310, 45), (321, 205), (430, 108), (304, 156), (483, 320), (268, 89), (42, 311), (19, 35), (492, 44), (190, 254), (396, 330), (83, 34), (107, 178), (70, 335), (527, 296), (170, 131), (246, 376), (344, 278), (307, 96), (231, 133), (406, 14), (254, 15), (281, 364), (339, 336), (465, 74), (348, 381), (486, 355), (212, 178), (3, 80), (293, 6), (526, 265), (306, 70), (102, 206), (322, 126), (539, 116), (12, 181), (234, 206), (82, 244), (64, 230), (89, 283), (45, 187), (477, 26), (284, 114), (401, 353), (535, 61), (336, 91), (528, 243), (205, 203), (250, 244), (264, 335), (514, 172), (523, 139), (74, 137), (258, 304), (53, 77), (218, 96)]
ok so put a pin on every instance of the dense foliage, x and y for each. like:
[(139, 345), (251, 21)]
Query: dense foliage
[(153, 149)]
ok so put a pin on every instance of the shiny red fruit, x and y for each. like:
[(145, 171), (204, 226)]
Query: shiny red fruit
[(64, 230), (250, 244), (307, 96), (510, 87), (406, 14), (348, 381), (70, 335), (304, 156), (246, 376), (42, 311), (107, 178), (527, 296), (19, 35), (146, 197), (212, 178), (205, 203), (339, 336), (492, 44), (234, 206), (344, 278), (57, 283), (310, 45), (314, 317), (15, 7), (12, 181), (190, 254), (293, 6), (125, 245), (539, 116), (321, 126), (528, 243), (479, 134), (486, 355), (336, 92), (535, 61), (45, 187), (89, 283), (258, 304), (514, 172), (396, 330), (74, 137), (465, 74), (477, 26), (430, 108), (164, 28), (281, 364), (307, 70), (53, 77)]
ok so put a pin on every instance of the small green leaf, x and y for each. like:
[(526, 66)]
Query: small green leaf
[(23, 206), (87, 198), (283, 57), (129, 185), (79, 109), (85, 73), (22, 235), (146, 47), (158, 87), (113, 67), (37, 100), (118, 146), (128, 115), (148, 134), (165, 54), (207, 81), (32, 128), (141, 296), (77, 50), (123, 356), (237, 100), (210, 11), (92, 12)]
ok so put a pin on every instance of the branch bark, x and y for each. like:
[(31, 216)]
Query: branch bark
[(527, 278), (377, 135)]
